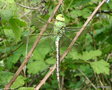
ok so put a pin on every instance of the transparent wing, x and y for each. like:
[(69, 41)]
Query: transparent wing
[(42, 22), (46, 47), (68, 35)]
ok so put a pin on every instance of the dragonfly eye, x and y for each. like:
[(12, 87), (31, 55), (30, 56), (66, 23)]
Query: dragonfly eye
[(60, 17)]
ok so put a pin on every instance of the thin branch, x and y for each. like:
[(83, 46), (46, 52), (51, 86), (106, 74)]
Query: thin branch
[(88, 79), (7, 87), (31, 8), (25, 14), (109, 56), (70, 46)]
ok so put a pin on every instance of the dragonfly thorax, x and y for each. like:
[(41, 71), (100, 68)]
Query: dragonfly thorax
[(59, 27)]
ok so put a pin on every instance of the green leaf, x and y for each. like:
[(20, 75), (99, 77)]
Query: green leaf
[(85, 13), (20, 81), (35, 67), (100, 67), (38, 55), (86, 68), (43, 49), (6, 15), (75, 55), (9, 33), (86, 55), (90, 55), (51, 60), (16, 28), (5, 77), (110, 3), (10, 1), (75, 13), (12, 60), (20, 22), (26, 88)]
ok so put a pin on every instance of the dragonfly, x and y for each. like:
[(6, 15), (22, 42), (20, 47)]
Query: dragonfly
[(58, 31)]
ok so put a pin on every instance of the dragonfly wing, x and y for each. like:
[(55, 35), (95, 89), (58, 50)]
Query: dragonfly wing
[(72, 29), (39, 22), (42, 20)]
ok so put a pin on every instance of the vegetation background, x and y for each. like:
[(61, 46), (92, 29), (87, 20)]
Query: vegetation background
[(87, 66)]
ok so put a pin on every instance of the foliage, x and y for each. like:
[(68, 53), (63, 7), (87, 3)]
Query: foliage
[(90, 58), (19, 82), (6, 76), (103, 68)]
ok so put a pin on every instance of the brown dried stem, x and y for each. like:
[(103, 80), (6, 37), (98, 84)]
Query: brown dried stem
[(70, 46), (27, 7), (7, 87)]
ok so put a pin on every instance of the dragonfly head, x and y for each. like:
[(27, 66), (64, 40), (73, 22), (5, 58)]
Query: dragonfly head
[(60, 17)]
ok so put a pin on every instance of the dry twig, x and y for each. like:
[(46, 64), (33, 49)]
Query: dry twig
[(27, 7)]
